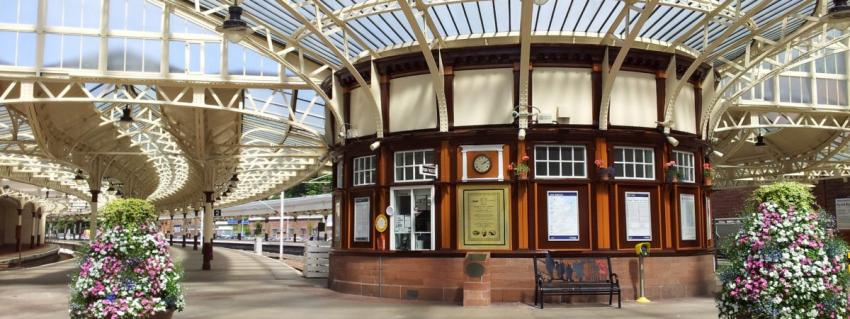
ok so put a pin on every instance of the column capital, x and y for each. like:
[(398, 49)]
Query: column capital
[(94, 194), (209, 197)]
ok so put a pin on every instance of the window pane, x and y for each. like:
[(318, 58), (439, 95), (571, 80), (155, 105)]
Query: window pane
[(429, 157), (543, 153), (26, 49), (71, 51), (91, 14), (579, 169), (91, 48), (648, 171), (73, 13), (212, 58), (554, 169), (567, 153), (618, 155), (52, 49), (629, 155), (541, 169), (566, 169), (176, 57), (619, 169), (153, 52), (29, 12), (134, 55), (115, 60), (579, 154)]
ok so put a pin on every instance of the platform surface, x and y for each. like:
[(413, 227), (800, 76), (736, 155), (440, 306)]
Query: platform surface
[(242, 285)]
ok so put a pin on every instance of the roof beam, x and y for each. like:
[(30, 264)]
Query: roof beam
[(524, 61), (435, 71), (611, 76), (373, 100)]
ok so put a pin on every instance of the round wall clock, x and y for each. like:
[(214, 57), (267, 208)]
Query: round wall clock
[(381, 223), (481, 164)]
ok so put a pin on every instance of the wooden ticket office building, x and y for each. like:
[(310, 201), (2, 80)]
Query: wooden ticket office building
[(466, 188)]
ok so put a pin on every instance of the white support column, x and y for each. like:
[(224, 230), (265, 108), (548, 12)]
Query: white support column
[(208, 230), (166, 37), (39, 30), (103, 53), (280, 225), (93, 215)]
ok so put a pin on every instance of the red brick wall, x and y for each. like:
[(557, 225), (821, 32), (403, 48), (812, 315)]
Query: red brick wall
[(827, 191), (512, 279), (728, 203)]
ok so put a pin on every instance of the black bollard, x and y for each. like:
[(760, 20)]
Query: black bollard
[(195, 243), (171, 239), (184, 240)]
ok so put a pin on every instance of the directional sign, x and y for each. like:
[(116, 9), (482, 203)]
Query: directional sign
[(217, 212), (429, 170)]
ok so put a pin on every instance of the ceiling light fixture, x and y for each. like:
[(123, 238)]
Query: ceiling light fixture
[(839, 15), (119, 193), (234, 28), (111, 190), (78, 178), (126, 118), (760, 140), (540, 2)]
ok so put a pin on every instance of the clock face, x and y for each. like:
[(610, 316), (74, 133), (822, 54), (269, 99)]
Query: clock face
[(481, 164), (381, 223)]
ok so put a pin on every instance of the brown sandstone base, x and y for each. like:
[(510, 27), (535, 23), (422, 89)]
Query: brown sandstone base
[(511, 279)]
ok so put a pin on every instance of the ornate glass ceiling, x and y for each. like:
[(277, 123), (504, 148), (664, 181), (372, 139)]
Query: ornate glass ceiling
[(205, 110)]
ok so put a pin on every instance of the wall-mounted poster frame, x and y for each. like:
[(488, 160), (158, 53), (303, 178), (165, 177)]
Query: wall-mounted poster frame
[(687, 217), (362, 219), (484, 217), (842, 213), (562, 212), (638, 216)]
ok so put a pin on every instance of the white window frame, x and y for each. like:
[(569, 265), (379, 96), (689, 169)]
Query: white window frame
[(683, 167), (413, 220), (414, 165), (634, 163), (572, 162), (359, 169)]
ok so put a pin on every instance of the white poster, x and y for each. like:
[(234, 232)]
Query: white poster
[(361, 219), (708, 221), (638, 216), (687, 217), (842, 212), (562, 216)]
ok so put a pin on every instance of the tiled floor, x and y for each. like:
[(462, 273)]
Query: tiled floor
[(242, 285)]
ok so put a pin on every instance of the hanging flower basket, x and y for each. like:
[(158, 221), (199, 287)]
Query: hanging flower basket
[(707, 174), (521, 168), (673, 174), (606, 174)]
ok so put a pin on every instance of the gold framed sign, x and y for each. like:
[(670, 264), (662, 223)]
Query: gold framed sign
[(484, 221)]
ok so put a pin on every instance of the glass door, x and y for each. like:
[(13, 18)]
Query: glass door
[(412, 223)]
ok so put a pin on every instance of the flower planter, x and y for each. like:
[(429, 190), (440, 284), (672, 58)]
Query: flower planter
[(707, 181), (163, 315)]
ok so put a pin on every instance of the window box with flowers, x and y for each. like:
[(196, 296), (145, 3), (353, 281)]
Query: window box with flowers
[(707, 173), (673, 174), (520, 169), (605, 173)]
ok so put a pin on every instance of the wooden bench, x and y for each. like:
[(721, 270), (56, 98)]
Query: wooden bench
[(575, 276)]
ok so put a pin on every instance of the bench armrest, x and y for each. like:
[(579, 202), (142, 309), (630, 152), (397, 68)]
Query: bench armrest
[(614, 278)]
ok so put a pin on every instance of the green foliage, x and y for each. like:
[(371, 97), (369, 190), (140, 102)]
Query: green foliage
[(316, 186), (783, 194), (128, 213), (258, 228)]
